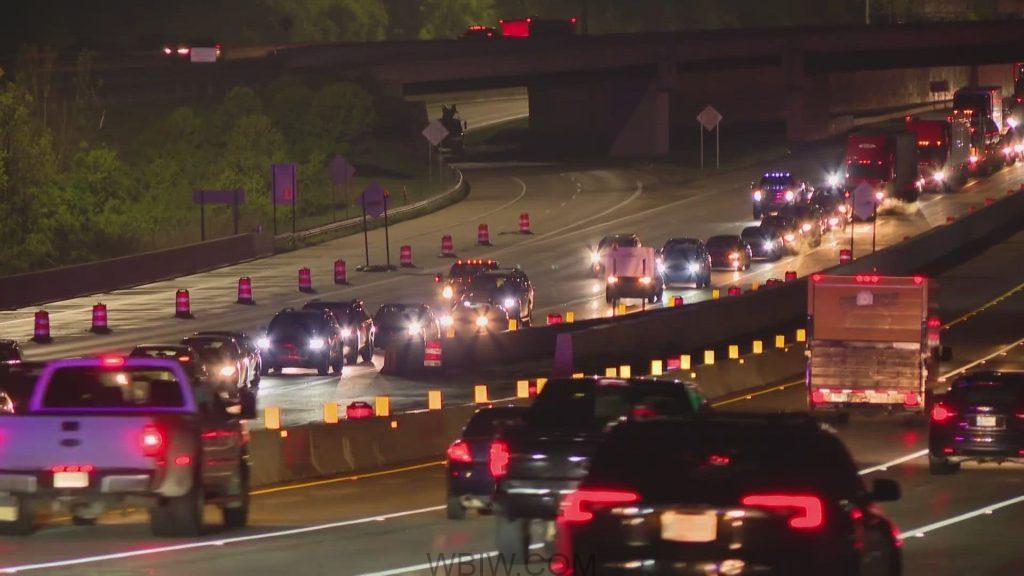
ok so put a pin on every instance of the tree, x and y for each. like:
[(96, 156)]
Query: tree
[(450, 18), (344, 115), (252, 146)]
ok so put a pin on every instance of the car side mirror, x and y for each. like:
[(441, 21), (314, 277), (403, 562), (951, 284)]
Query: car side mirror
[(247, 402), (885, 490)]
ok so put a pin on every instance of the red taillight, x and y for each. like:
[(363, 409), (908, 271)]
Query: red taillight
[(579, 505), (111, 361), (151, 441), (918, 279), (911, 399), (459, 452), (498, 459), (934, 322), (72, 468), (806, 512), (817, 397), (183, 460), (941, 413)]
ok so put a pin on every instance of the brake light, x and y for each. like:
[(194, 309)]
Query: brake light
[(579, 505), (934, 322), (498, 458), (817, 397), (72, 468), (911, 399), (941, 413), (459, 452), (806, 511), (918, 280), (151, 441), (816, 277), (112, 361)]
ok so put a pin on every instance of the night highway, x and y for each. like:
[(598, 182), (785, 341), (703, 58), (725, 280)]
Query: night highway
[(501, 287)]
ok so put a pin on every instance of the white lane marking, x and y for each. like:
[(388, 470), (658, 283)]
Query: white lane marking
[(980, 361), (209, 543), (920, 532), (886, 465)]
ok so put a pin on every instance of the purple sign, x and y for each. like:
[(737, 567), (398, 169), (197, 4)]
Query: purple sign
[(373, 199), (284, 183), (219, 196), (340, 170)]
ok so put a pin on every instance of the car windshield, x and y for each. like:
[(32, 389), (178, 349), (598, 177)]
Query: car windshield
[(487, 423), (295, 323), (721, 243), (755, 233), (487, 283), (95, 387), (588, 404), (1001, 390), (212, 350), (623, 240), (718, 462), (168, 352), (681, 252), (397, 317), (777, 222)]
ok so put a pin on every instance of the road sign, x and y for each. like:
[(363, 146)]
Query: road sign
[(374, 199), (709, 118), (864, 201), (340, 170), (435, 133), (283, 176), (219, 196)]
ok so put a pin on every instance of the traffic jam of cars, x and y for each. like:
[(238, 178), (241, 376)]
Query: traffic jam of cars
[(631, 474)]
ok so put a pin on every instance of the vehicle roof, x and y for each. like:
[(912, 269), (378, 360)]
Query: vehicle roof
[(1014, 377), (162, 347), (758, 230), (683, 241), (724, 238), (221, 333)]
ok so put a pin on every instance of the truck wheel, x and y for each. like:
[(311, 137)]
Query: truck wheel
[(455, 510), (941, 466), (83, 521), (352, 358), (180, 516), (23, 525), (236, 514), (325, 366), (512, 539), (367, 351)]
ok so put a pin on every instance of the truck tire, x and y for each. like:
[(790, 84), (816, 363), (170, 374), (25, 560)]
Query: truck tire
[(941, 466), (236, 514), (325, 366), (352, 358), (454, 509), (367, 351), (512, 538), (23, 526), (180, 516)]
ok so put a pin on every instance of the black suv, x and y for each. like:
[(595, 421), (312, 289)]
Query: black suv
[(188, 357), (303, 339), (979, 419), (356, 327), (729, 252), (685, 261), (459, 275), (509, 289), (745, 494), (470, 483), (229, 366), (547, 456), (10, 352), (405, 324), (766, 243)]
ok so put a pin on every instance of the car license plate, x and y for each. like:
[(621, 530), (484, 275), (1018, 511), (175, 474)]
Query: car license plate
[(679, 527), (71, 480), (986, 421)]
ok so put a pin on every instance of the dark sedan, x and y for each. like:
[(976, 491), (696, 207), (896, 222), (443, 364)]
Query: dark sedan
[(726, 494), (685, 261), (729, 253), (981, 418), (357, 330), (470, 483), (189, 359), (303, 339), (405, 324), (766, 243)]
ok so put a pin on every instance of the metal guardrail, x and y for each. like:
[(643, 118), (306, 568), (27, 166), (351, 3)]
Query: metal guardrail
[(353, 225)]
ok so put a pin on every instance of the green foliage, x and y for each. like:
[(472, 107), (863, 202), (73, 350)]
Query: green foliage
[(450, 18)]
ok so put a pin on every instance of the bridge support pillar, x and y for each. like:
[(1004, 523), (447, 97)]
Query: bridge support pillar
[(808, 101), (622, 116)]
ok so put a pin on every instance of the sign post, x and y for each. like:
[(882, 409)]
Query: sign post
[(341, 173), (283, 189), (435, 133), (865, 205), (709, 119), (374, 201), (231, 198)]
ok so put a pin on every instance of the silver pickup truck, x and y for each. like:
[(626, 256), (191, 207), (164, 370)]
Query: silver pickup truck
[(110, 431)]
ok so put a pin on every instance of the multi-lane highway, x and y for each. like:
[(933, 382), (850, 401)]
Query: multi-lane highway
[(571, 207), (393, 522)]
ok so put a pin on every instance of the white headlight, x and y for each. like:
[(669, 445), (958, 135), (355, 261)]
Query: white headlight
[(806, 227), (613, 279), (758, 195), (939, 176), (446, 321), (833, 221), (1018, 148), (834, 180), (790, 196), (768, 245), (228, 371), (316, 343), (693, 267), (345, 332), (595, 258), (645, 280), (414, 329), (263, 343), (510, 303), (661, 267), (879, 195), (481, 321), (1013, 122), (447, 292)]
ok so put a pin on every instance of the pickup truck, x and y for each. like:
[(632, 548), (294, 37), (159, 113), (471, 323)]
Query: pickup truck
[(544, 458), (114, 431)]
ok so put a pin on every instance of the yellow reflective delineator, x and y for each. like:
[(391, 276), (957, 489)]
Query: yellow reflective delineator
[(434, 401), (709, 357), (480, 393), (272, 418), (330, 412), (611, 372), (684, 362), (513, 324), (801, 335), (716, 293), (656, 368), (757, 346), (570, 316), (522, 388), (625, 371), (541, 383), (734, 351), (575, 376), (382, 406), (780, 340)]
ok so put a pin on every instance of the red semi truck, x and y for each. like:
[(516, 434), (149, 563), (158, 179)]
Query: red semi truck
[(982, 106), (872, 341), (537, 27), (943, 149), (885, 159)]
